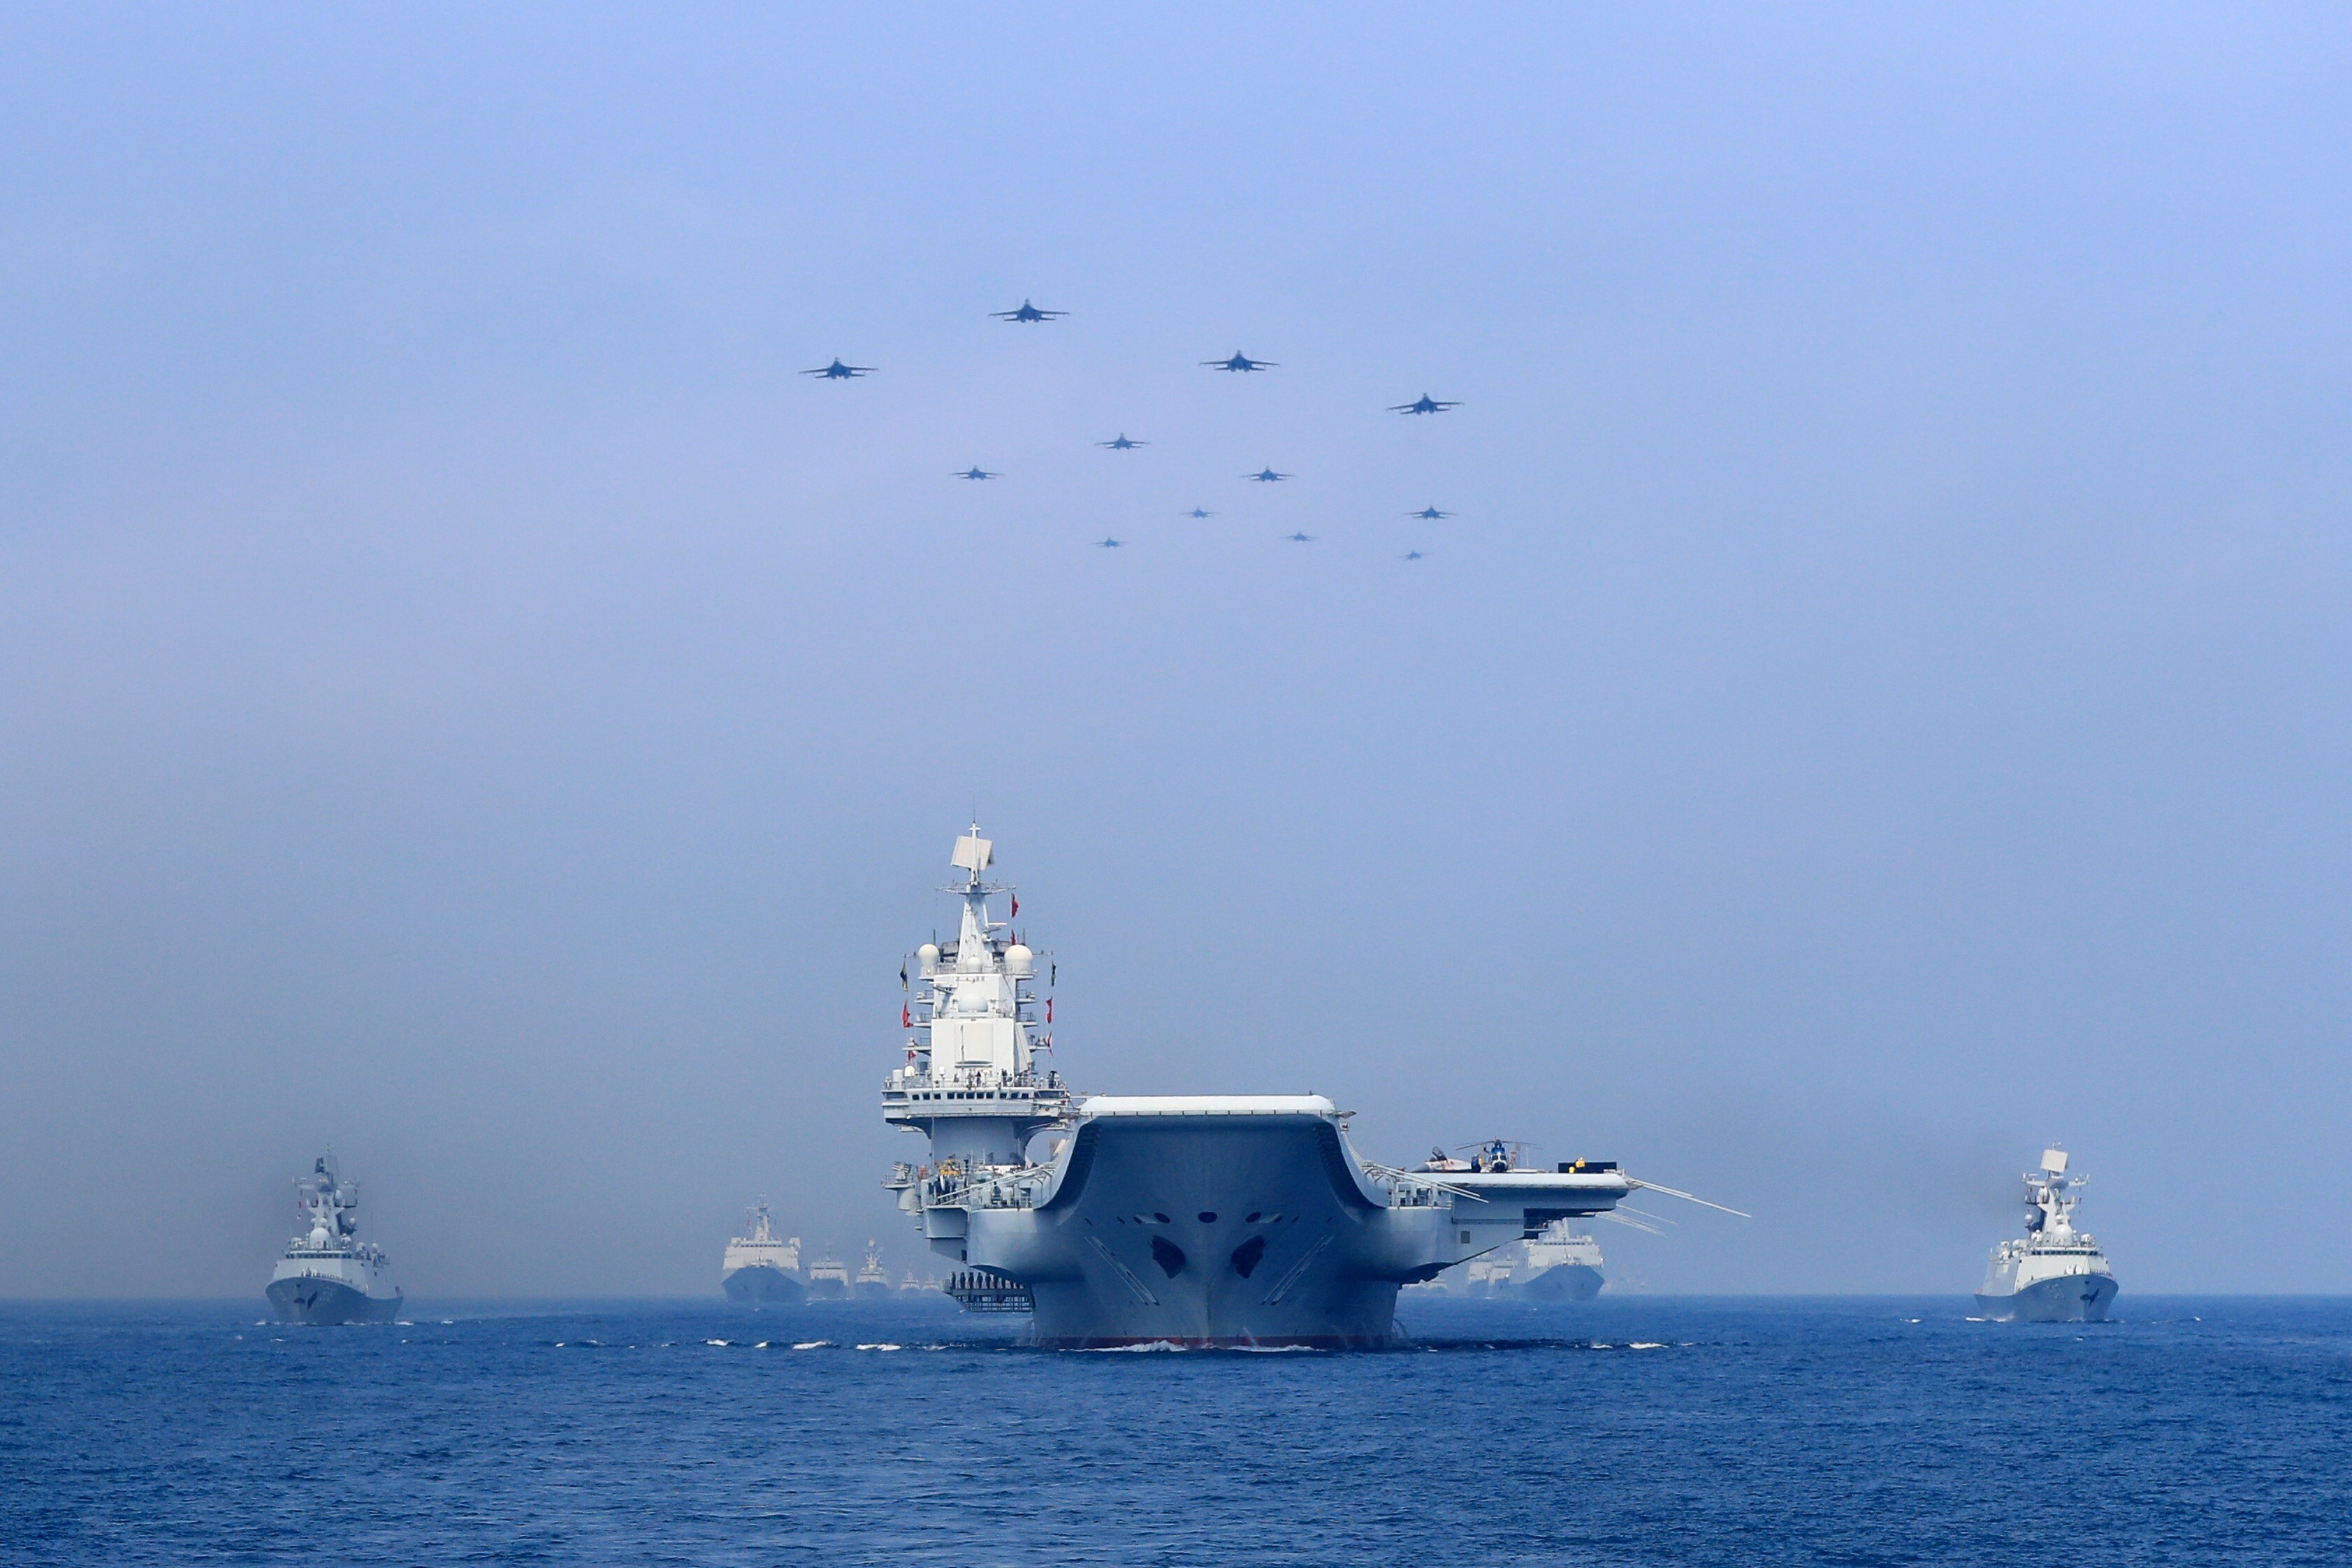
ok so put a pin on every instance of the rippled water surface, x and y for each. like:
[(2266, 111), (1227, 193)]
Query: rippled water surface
[(1638, 1431)]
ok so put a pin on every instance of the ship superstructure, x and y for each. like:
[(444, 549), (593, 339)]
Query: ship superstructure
[(2054, 1273), (1194, 1219), (762, 1267), (328, 1275)]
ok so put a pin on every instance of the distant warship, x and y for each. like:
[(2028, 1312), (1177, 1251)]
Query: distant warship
[(828, 1280), (759, 1269), (1560, 1265), (2054, 1273), (328, 1275), (873, 1281)]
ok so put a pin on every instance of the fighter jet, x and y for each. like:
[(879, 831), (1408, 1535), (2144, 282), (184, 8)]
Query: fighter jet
[(1409, 555), (1299, 538), (976, 472), (1109, 543), (1429, 514), (1265, 476), (1028, 312), (1122, 444), (1239, 362), (1424, 404), (1200, 513), (837, 371)]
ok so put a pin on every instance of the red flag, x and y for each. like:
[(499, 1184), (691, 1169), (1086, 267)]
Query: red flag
[(906, 1016), (1049, 1009), (1016, 906)]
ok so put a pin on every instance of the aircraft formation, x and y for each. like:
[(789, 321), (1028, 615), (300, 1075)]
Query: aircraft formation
[(1028, 313)]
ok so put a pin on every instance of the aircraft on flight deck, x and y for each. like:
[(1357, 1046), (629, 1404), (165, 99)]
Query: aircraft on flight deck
[(837, 371), (1424, 404), (1239, 362), (1200, 511), (1122, 444), (1265, 476), (1028, 312), (1429, 514), (1109, 543), (1299, 538), (976, 472)]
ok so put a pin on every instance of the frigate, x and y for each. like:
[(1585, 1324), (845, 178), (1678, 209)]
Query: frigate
[(2054, 1273), (1207, 1219), (328, 1275), (762, 1268), (873, 1281)]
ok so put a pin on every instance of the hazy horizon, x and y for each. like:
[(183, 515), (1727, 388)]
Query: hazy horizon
[(1879, 706)]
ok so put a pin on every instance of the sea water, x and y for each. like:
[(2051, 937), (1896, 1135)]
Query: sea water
[(1634, 1431)]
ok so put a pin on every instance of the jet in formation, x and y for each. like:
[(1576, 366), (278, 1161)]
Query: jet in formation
[(1109, 543), (976, 472), (837, 371), (1410, 555), (1424, 404), (1200, 513), (1027, 313), (1429, 514), (1239, 362), (1122, 444), (1299, 538), (1265, 476)]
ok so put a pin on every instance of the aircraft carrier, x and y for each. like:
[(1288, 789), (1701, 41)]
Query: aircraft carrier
[(328, 1275), (1207, 1220)]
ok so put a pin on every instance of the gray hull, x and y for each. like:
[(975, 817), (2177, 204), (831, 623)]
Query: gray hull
[(326, 1302), (1210, 1231), (760, 1286), (1568, 1282), (2074, 1298)]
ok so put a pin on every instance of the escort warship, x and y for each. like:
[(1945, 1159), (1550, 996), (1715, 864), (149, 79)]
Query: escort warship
[(1197, 1220), (2054, 1273), (762, 1268), (1561, 1265), (873, 1281), (328, 1275)]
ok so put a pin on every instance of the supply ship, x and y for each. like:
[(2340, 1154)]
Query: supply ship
[(328, 1275), (1210, 1220), (761, 1268), (2054, 1273)]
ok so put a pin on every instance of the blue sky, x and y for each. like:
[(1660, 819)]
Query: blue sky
[(1880, 703)]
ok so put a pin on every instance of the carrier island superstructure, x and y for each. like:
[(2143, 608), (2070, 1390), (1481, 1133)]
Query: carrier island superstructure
[(328, 1275), (2054, 1273), (1190, 1219)]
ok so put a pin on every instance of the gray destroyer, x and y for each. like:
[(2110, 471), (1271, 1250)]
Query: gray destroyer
[(1211, 1220), (2054, 1273), (328, 1275)]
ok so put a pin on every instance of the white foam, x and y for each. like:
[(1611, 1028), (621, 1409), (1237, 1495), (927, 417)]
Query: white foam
[(761, 1346), (880, 1347), (720, 1343), (814, 1345), (1153, 1345), (1645, 1345)]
